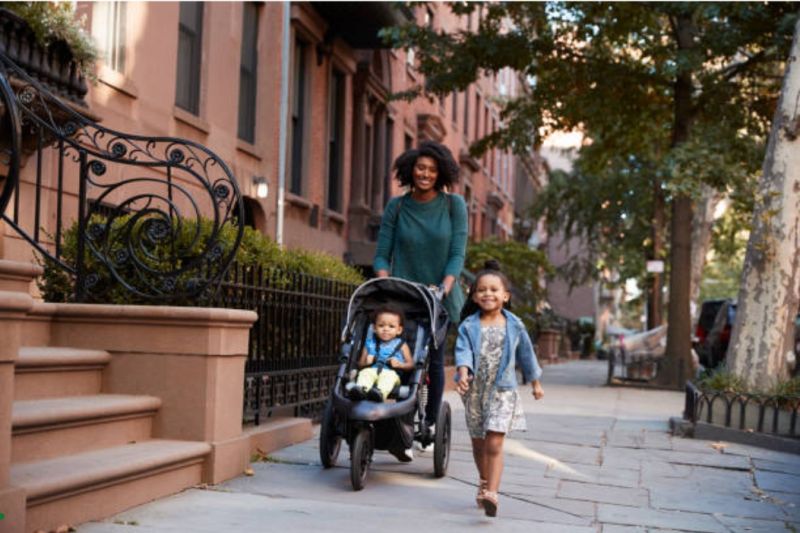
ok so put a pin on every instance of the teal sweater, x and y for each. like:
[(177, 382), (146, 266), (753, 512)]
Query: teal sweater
[(425, 242)]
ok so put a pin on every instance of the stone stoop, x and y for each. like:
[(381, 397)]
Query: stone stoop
[(81, 487), (84, 434), (80, 454)]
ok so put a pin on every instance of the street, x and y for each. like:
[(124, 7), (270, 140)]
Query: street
[(594, 459)]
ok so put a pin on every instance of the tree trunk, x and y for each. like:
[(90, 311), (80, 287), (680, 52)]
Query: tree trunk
[(702, 223), (768, 298), (677, 358)]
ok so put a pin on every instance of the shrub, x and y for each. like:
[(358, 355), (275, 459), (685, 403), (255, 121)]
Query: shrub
[(524, 267), (722, 380), (191, 237)]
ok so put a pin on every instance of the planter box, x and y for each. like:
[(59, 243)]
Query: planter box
[(547, 344)]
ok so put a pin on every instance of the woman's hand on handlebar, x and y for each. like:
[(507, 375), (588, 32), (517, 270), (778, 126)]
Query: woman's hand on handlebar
[(447, 284)]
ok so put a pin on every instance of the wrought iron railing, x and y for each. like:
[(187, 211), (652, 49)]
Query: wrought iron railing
[(747, 412), (147, 188), (294, 344)]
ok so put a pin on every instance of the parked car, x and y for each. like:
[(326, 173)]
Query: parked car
[(716, 341), (708, 312)]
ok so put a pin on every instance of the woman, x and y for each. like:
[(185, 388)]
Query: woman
[(423, 238)]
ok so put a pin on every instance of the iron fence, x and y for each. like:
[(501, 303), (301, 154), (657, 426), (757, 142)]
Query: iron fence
[(747, 412), (294, 344)]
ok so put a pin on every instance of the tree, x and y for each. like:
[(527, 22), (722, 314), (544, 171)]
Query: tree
[(768, 297), (670, 95)]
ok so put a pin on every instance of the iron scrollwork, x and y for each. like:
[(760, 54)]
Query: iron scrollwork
[(176, 215)]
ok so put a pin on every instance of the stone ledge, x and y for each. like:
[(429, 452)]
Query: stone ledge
[(146, 314), (706, 431), (278, 433)]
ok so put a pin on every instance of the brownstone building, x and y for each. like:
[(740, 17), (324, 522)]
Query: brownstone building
[(318, 175)]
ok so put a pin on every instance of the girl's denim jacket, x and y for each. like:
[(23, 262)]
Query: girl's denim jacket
[(517, 344)]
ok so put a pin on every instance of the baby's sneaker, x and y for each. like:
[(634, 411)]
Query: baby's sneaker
[(374, 395), (354, 392)]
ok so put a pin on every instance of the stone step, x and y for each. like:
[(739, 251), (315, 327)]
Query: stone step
[(98, 484), (16, 276), (47, 372), (52, 427)]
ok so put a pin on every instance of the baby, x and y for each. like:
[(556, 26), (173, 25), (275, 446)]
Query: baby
[(384, 353)]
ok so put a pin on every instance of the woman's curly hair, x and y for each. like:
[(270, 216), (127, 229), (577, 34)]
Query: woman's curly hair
[(445, 164)]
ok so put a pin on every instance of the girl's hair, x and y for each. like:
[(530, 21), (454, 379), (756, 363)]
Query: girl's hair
[(490, 267), (446, 166)]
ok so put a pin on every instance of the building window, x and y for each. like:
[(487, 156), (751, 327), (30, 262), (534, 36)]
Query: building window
[(299, 81), (248, 71), (108, 28), (387, 184), (190, 39), (408, 142), (477, 116), (465, 125), (410, 58), (454, 103), (336, 141)]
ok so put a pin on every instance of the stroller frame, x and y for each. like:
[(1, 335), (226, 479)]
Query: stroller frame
[(393, 426)]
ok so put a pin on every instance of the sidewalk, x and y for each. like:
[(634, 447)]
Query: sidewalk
[(595, 459)]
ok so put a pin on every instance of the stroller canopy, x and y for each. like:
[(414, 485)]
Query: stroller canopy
[(414, 299)]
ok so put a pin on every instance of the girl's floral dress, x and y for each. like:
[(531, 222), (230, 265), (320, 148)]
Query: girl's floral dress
[(488, 409)]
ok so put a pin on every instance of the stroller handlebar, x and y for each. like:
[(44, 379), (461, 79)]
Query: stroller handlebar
[(438, 291)]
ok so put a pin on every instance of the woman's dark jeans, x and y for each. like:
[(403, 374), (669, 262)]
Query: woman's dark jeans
[(436, 383)]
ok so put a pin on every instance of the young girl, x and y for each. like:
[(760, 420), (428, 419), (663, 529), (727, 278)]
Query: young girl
[(491, 343)]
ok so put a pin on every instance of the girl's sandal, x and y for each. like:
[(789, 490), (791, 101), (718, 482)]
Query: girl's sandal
[(481, 489), (490, 503)]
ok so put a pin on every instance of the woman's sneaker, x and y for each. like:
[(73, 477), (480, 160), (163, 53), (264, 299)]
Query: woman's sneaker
[(429, 447), (404, 456)]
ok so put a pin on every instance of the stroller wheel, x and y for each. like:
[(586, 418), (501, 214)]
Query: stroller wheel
[(360, 458), (441, 446), (329, 441)]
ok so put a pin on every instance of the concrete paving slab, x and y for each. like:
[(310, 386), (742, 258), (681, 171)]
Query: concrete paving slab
[(773, 466), (598, 475), (635, 497), (776, 482), (679, 497), (749, 525), (623, 515), (612, 528)]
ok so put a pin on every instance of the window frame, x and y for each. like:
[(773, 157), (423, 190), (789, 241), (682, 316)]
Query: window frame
[(195, 61)]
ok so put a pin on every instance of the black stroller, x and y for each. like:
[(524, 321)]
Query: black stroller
[(392, 425)]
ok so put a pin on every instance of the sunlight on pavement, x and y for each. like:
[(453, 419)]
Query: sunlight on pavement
[(518, 449)]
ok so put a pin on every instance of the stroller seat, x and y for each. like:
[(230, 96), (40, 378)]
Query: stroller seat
[(414, 336)]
